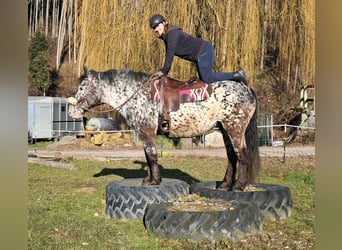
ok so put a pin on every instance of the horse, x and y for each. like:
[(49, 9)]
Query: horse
[(231, 106)]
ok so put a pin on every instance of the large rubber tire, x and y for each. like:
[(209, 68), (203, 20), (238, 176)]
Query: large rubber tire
[(242, 221), (274, 201), (128, 198)]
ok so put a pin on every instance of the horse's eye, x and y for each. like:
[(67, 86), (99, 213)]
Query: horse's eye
[(82, 85)]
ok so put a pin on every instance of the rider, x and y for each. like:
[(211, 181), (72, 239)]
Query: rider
[(192, 49)]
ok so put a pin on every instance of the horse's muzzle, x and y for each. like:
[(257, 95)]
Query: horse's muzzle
[(75, 112)]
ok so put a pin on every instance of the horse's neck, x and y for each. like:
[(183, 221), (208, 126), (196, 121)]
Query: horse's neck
[(118, 94)]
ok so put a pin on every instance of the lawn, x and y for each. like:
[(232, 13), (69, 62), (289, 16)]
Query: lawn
[(67, 207)]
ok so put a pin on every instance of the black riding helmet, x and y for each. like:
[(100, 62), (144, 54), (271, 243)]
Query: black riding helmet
[(155, 20)]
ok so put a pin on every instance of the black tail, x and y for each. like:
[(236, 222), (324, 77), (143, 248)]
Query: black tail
[(252, 142)]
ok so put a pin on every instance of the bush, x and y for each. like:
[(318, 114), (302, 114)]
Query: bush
[(39, 69)]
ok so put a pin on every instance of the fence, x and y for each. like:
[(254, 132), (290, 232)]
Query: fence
[(280, 141), (276, 135), (283, 141)]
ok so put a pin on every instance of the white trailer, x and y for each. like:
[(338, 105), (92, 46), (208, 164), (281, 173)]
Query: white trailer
[(48, 118)]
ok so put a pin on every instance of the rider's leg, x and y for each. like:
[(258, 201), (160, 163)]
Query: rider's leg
[(205, 64)]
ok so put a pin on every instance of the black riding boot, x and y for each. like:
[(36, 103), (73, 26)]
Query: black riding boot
[(241, 76)]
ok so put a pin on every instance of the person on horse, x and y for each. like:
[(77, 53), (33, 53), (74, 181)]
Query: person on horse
[(194, 49)]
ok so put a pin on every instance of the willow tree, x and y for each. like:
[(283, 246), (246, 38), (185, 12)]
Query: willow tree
[(287, 51), (43, 16), (273, 40), (58, 20), (116, 34)]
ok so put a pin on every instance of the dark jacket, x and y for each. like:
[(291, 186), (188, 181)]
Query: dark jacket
[(180, 44)]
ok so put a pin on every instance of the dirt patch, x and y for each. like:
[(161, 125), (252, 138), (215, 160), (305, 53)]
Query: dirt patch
[(72, 143), (50, 162), (86, 190)]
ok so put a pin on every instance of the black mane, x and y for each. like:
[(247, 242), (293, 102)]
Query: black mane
[(115, 74)]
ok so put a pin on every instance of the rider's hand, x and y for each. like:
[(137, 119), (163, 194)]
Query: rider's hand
[(158, 74)]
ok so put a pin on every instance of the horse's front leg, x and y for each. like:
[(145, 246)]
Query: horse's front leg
[(153, 172)]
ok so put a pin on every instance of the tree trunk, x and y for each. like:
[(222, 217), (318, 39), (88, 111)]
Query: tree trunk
[(263, 36), (61, 34), (47, 18)]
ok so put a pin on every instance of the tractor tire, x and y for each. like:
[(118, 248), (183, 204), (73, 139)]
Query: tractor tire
[(274, 201), (128, 198), (239, 221)]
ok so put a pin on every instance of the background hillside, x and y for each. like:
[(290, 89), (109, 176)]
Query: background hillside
[(273, 40)]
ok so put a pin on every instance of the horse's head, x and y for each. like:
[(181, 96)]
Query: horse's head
[(87, 95)]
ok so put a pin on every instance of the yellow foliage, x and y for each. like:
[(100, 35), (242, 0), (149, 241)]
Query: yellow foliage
[(116, 34), (112, 138), (100, 138)]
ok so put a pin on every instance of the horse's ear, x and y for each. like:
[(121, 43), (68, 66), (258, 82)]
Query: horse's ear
[(85, 70), (88, 73)]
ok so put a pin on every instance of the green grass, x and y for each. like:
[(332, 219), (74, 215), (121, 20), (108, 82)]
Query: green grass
[(40, 144), (67, 207)]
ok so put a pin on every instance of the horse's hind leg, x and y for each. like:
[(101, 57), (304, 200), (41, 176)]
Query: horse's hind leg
[(229, 178), (238, 159), (242, 168)]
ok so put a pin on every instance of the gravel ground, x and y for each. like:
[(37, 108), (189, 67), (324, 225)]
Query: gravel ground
[(81, 149)]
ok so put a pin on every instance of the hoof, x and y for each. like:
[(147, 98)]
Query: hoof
[(146, 181), (239, 187), (150, 183), (224, 186), (238, 190), (155, 182)]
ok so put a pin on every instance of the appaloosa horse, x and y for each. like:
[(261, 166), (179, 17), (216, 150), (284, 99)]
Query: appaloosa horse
[(229, 105)]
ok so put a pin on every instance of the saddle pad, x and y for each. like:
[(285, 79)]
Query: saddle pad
[(194, 95), (155, 92), (185, 95)]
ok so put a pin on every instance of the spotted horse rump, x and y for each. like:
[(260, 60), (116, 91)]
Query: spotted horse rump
[(192, 109), (170, 93)]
